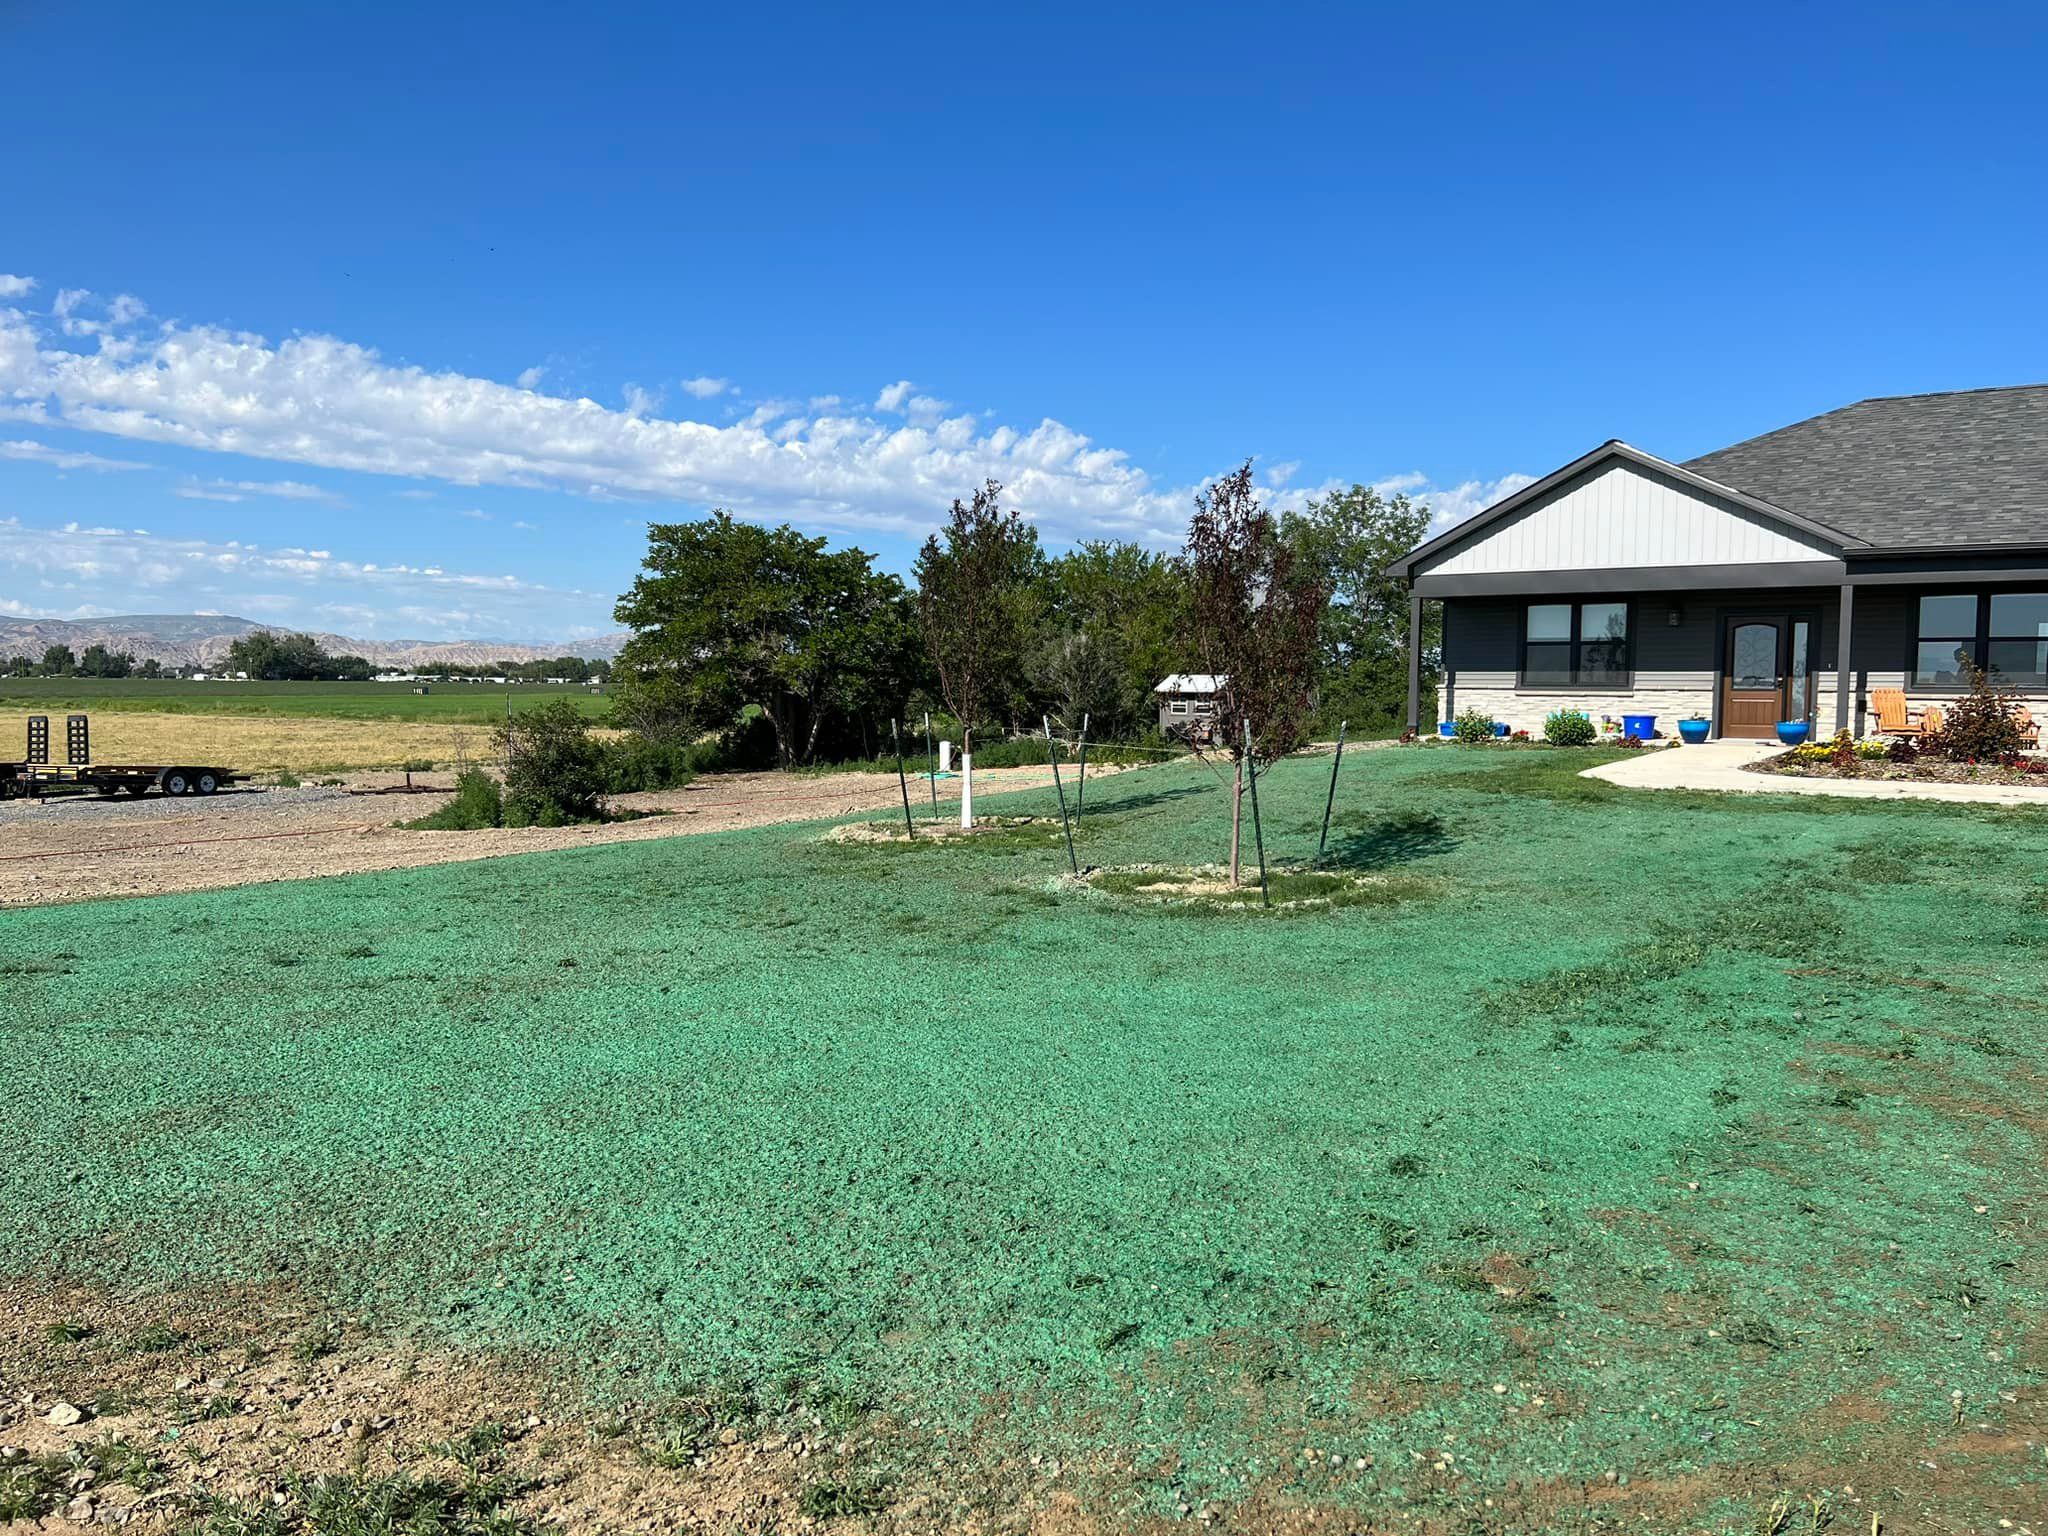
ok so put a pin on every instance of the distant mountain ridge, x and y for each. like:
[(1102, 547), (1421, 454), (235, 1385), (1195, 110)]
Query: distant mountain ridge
[(202, 639)]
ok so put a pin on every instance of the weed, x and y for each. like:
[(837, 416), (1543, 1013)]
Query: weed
[(840, 1500), (67, 1332), (1405, 1165), (1118, 1336), (316, 1342), (398, 1504), (1752, 1329), (157, 1339)]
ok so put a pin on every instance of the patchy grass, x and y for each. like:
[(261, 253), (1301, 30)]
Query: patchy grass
[(1644, 1103)]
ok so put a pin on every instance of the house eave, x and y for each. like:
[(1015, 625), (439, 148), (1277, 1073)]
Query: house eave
[(1615, 449)]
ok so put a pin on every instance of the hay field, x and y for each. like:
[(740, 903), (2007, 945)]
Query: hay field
[(258, 743)]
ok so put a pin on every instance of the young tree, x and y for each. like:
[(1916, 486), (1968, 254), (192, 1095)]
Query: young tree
[(727, 614), (970, 590), (1349, 538), (1084, 676), (1253, 613), (1128, 601)]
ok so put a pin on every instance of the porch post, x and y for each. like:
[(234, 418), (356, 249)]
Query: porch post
[(1414, 660), (1845, 675)]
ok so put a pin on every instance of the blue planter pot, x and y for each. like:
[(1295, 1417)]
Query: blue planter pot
[(1793, 732), (1500, 727), (1642, 727), (1447, 728), (1694, 732)]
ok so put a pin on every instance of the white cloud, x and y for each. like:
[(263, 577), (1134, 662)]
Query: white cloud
[(475, 514), (58, 458), (127, 570), (705, 387), (1452, 505), (12, 287), (413, 493), (242, 490), (325, 402), (529, 378)]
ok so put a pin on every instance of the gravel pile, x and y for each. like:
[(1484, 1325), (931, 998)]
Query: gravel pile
[(154, 806)]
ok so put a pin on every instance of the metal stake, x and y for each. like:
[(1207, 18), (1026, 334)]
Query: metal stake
[(1081, 784), (1054, 758), (931, 773), (1251, 774), (1324, 841), (896, 737)]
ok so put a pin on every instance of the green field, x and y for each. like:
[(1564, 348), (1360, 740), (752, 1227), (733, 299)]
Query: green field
[(446, 703), (1623, 1156)]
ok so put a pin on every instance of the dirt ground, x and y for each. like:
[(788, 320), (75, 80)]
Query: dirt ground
[(125, 847)]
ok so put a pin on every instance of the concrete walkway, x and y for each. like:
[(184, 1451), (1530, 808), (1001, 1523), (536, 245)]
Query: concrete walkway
[(1720, 765)]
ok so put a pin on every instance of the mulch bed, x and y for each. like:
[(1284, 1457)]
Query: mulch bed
[(1927, 770)]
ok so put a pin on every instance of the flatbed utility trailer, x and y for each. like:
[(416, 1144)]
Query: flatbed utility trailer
[(35, 775)]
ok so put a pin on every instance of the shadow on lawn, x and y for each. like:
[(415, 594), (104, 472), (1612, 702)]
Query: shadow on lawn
[(1392, 840)]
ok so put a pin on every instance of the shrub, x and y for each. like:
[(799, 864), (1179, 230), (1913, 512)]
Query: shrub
[(1902, 749), (1473, 726), (1569, 728), (478, 804), (1873, 750), (635, 762), (1982, 726), (554, 770)]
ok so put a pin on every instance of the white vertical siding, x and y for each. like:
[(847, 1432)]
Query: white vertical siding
[(1620, 515)]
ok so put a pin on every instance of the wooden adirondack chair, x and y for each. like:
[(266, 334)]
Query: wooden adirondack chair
[(1930, 719), (1894, 718), (2030, 732)]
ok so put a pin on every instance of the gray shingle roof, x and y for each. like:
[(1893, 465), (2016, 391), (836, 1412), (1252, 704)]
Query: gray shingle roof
[(1907, 471)]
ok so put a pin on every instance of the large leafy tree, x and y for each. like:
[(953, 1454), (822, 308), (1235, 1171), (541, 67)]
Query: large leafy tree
[(1349, 538), (1254, 609), (976, 604), (275, 657), (726, 614)]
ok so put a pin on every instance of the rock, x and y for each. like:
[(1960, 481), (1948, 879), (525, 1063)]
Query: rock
[(64, 1415), (728, 1436), (80, 1510)]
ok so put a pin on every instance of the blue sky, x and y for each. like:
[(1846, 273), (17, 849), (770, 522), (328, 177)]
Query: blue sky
[(421, 302)]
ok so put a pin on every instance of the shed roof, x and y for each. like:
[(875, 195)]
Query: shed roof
[(1190, 682)]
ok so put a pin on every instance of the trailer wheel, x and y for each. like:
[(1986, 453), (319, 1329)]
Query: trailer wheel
[(174, 782), (206, 783)]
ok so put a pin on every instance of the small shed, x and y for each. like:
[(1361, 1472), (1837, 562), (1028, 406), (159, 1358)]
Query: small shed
[(1187, 704)]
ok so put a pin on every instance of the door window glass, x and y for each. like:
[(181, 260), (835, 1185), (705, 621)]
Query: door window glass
[(1753, 659)]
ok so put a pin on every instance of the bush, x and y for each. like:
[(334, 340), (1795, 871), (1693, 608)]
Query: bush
[(1473, 726), (478, 804), (1569, 728), (1981, 727), (555, 772), (633, 762), (1902, 749)]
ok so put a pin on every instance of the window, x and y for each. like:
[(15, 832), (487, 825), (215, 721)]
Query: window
[(2003, 632), (1576, 645), (1177, 706)]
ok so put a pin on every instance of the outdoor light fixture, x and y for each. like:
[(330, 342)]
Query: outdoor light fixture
[(1675, 617)]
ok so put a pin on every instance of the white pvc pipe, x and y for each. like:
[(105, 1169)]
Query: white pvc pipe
[(966, 791)]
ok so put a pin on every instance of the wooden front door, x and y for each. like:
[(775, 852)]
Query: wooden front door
[(1766, 674)]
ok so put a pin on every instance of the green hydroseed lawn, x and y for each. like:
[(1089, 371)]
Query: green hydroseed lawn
[(1168, 1192)]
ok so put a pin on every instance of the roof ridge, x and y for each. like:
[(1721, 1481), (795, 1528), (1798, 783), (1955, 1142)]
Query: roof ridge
[(1936, 394)]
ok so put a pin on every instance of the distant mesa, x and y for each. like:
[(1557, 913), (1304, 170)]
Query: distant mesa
[(199, 640)]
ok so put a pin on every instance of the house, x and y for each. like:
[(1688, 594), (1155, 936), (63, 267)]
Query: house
[(1782, 578), (1187, 704)]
